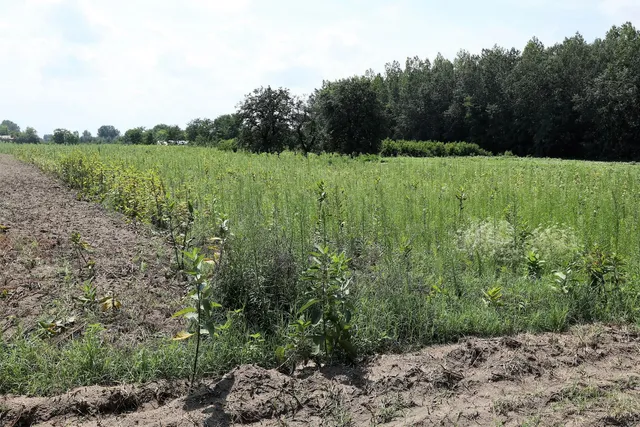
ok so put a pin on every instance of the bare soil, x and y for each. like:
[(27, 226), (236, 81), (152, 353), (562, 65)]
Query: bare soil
[(589, 376), (42, 274)]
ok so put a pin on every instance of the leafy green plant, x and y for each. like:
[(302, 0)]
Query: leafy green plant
[(298, 346), (326, 316), (203, 316), (493, 297), (534, 264), (82, 250), (89, 295), (179, 225), (391, 148)]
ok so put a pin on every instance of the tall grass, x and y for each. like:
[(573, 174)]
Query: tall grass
[(427, 237)]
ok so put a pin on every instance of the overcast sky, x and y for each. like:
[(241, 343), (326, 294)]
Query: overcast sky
[(79, 64)]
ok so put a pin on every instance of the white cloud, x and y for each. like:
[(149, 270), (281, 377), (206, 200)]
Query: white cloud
[(623, 10), (82, 63)]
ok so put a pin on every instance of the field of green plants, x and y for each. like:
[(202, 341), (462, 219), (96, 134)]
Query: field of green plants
[(408, 252)]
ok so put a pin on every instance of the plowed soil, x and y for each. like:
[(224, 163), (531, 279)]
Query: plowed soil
[(589, 376), (42, 275)]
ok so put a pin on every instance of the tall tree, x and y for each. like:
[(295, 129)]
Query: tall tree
[(226, 126), (86, 137), (29, 136), (134, 136), (200, 132), (108, 133), (350, 116), (64, 136), (266, 120), (11, 127)]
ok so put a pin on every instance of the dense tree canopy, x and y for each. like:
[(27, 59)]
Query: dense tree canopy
[(134, 136), (9, 127), (350, 116), (86, 137), (266, 120), (574, 99), (29, 136), (65, 136), (108, 133)]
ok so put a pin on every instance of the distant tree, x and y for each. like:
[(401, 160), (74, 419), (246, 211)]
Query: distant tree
[(64, 136), (161, 135), (304, 125), (134, 136), (165, 132), (226, 126), (4, 130), (350, 116), (29, 136), (47, 137), (148, 138), (266, 120), (72, 138), (12, 128), (200, 132), (108, 133), (58, 136), (86, 137), (174, 133)]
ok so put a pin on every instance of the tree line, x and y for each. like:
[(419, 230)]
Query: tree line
[(571, 100)]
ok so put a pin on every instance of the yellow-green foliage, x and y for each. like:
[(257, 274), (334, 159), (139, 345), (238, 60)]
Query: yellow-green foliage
[(138, 194)]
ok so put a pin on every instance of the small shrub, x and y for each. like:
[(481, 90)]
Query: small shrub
[(489, 240), (325, 318), (553, 246), (557, 245), (227, 145)]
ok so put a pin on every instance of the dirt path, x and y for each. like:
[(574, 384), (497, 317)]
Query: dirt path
[(588, 377), (42, 275)]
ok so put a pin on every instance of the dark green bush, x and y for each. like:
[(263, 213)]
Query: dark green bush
[(391, 148)]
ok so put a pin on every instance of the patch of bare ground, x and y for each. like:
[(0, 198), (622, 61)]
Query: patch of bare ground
[(42, 274), (587, 377)]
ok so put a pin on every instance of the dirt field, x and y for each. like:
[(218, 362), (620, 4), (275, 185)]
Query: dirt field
[(42, 275), (589, 376)]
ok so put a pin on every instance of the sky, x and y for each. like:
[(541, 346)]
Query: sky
[(80, 64)]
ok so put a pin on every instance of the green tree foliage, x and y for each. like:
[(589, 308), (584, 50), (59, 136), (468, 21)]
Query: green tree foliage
[(226, 126), (266, 120), (134, 136), (304, 125), (148, 138), (29, 136), (200, 132), (572, 100), (9, 127), (64, 136), (163, 132), (86, 137), (350, 116), (210, 132), (108, 133)]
